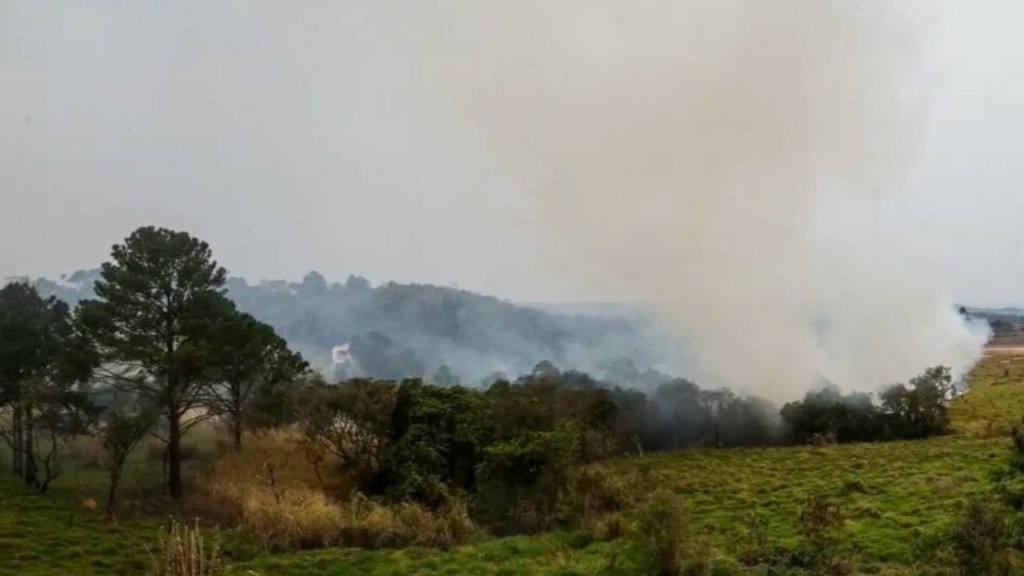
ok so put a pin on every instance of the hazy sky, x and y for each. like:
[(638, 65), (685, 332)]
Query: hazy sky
[(305, 135)]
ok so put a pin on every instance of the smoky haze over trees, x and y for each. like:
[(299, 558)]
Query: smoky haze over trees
[(397, 331), (724, 159)]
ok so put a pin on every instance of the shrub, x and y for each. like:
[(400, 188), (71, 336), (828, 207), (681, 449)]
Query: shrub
[(593, 503), (981, 540), (309, 520), (288, 510), (184, 552), (662, 530), (822, 526), (757, 548), (529, 484)]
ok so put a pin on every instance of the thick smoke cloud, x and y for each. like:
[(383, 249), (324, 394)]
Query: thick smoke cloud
[(698, 155), (730, 160)]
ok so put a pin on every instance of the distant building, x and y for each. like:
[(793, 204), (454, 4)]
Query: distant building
[(341, 355)]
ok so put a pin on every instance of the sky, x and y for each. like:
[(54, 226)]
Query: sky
[(295, 136)]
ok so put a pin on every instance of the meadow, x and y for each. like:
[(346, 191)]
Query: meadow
[(899, 499)]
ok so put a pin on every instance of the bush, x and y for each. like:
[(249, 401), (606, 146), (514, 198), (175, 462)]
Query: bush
[(982, 539), (662, 533), (594, 502), (757, 549), (310, 520), (276, 497), (822, 526), (184, 552), (533, 483)]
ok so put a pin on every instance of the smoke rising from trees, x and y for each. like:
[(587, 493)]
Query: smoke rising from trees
[(734, 161), (704, 154)]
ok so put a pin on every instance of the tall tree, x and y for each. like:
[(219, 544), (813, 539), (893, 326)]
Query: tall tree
[(152, 323), (33, 333), (253, 359)]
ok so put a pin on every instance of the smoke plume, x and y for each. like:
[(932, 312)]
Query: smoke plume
[(723, 159)]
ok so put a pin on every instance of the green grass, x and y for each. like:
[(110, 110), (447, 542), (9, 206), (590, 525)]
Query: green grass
[(995, 401), (897, 496), (549, 554), (51, 534)]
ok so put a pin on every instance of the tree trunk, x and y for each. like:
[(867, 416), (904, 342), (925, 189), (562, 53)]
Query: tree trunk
[(17, 458), (174, 486), (115, 477), (236, 425), (31, 475), (44, 486)]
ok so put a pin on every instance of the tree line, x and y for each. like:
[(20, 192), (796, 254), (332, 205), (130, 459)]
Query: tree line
[(161, 348), (913, 412), (412, 330)]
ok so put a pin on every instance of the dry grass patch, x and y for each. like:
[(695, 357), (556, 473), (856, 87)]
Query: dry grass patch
[(185, 551), (273, 493)]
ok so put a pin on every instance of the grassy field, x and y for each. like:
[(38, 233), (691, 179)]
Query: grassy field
[(995, 402), (896, 495), (898, 498), (50, 534)]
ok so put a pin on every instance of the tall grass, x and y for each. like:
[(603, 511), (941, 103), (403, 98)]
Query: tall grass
[(272, 493), (185, 552)]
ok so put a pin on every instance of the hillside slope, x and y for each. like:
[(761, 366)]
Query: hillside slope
[(412, 330)]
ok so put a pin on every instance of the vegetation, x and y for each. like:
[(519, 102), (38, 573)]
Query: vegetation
[(983, 540), (183, 551), (42, 404), (120, 433), (412, 330), (915, 412), (195, 419), (153, 326)]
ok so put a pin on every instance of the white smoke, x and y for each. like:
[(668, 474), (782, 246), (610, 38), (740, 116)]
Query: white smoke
[(697, 154)]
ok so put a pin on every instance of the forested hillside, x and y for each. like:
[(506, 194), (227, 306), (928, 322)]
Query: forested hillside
[(415, 330)]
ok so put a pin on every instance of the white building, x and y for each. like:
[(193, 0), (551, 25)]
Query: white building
[(341, 355)]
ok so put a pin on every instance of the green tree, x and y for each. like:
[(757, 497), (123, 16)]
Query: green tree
[(56, 410), (919, 411), (33, 334), (435, 438), (524, 483), (121, 431), (252, 356), (351, 421), (158, 303)]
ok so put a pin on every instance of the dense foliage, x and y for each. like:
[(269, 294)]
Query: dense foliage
[(43, 401), (517, 448), (914, 412)]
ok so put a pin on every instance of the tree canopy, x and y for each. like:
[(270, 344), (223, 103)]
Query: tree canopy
[(153, 323)]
